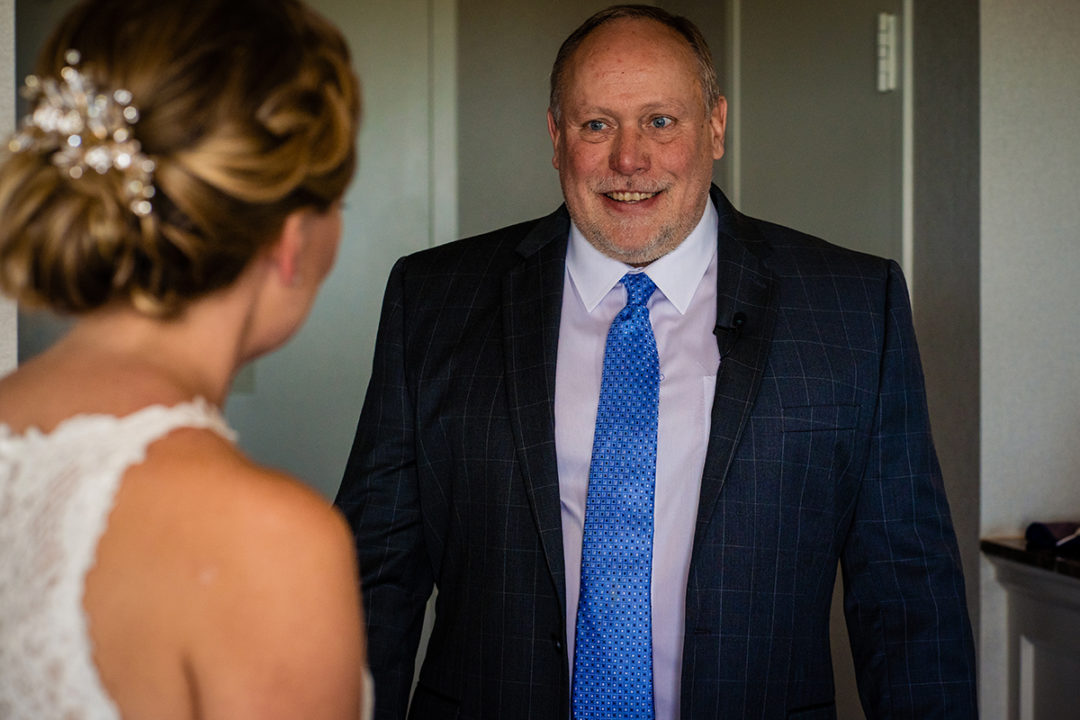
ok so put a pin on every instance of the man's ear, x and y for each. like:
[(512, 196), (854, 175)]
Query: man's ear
[(717, 126), (285, 253), (553, 131)]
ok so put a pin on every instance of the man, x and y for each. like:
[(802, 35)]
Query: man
[(631, 488)]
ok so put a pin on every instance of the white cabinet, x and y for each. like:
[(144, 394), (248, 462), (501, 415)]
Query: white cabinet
[(1043, 634)]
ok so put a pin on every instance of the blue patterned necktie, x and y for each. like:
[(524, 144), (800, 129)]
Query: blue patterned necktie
[(613, 645)]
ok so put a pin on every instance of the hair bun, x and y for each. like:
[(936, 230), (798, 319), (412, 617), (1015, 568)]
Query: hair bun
[(159, 158)]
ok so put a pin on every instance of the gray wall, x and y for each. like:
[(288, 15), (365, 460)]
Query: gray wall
[(505, 51), (1030, 262), (300, 412)]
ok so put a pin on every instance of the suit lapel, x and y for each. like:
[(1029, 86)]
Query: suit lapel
[(532, 309), (746, 288)]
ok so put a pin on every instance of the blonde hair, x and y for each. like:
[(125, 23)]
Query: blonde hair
[(249, 110)]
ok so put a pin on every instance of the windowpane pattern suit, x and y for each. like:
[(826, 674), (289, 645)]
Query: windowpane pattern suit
[(819, 450)]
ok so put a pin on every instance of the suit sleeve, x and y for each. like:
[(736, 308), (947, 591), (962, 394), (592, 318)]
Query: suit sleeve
[(380, 498), (904, 589)]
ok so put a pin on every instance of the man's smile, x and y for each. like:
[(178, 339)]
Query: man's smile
[(629, 197)]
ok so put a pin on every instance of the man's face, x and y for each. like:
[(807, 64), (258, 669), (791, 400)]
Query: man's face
[(634, 146)]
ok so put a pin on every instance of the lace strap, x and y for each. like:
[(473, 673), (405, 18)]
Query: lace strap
[(156, 421)]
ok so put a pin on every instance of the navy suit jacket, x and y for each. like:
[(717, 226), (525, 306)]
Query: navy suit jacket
[(820, 451)]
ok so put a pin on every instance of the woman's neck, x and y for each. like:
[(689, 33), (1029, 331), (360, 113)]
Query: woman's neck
[(194, 354)]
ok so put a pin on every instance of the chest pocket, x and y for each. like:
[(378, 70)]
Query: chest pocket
[(816, 447)]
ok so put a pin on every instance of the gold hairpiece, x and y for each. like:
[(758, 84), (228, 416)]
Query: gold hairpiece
[(84, 129)]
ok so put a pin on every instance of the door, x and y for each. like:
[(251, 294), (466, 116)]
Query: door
[(814, 144)]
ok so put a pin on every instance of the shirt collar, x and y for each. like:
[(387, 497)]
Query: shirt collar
[(676, 274)]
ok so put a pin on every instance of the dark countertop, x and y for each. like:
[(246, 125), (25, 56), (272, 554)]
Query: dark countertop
[(1015, 548)]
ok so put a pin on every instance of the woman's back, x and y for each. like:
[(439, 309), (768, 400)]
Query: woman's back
[(145, 563), (176, 187), (56, 492)]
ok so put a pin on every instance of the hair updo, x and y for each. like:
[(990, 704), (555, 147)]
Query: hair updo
[(248, 110)]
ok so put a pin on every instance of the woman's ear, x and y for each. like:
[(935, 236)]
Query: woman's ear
[(285, 253)]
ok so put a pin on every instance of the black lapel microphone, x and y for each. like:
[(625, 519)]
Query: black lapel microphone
[(726, 337)]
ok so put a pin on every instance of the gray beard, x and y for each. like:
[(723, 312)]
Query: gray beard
[(664, 241)]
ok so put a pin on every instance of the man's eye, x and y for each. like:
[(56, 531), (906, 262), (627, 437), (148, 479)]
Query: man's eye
[(595, 125), (662, 122)]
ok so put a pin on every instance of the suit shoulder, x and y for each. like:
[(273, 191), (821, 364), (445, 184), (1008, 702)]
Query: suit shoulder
[(479, 253), (791, 251)]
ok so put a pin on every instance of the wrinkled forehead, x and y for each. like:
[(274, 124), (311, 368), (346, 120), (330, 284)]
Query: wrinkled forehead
[(632, 43), (625, 50)]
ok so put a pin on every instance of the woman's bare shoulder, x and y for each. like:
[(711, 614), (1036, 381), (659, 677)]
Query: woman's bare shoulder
[(200, 469), (243, 522)]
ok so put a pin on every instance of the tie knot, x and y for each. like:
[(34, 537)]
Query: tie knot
[(639, 287)]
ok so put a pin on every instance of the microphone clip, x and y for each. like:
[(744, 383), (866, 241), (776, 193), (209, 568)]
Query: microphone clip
[(726, 337)]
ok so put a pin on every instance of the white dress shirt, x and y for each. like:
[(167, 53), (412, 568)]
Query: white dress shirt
[(683, 314)]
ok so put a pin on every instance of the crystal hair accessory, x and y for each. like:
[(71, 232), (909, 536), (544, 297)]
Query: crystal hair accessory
[(85, 130)]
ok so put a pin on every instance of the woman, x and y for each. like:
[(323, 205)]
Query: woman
[(177, 189)]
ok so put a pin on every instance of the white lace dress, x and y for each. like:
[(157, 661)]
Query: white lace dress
[(56, 492)]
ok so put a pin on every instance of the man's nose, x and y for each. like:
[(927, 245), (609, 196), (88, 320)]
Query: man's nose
[(629, 153)]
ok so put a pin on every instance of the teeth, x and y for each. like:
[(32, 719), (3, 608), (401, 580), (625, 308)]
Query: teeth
[(630, 196)]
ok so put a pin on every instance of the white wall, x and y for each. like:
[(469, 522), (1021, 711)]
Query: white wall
[(8, 337), (1030, 262)]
